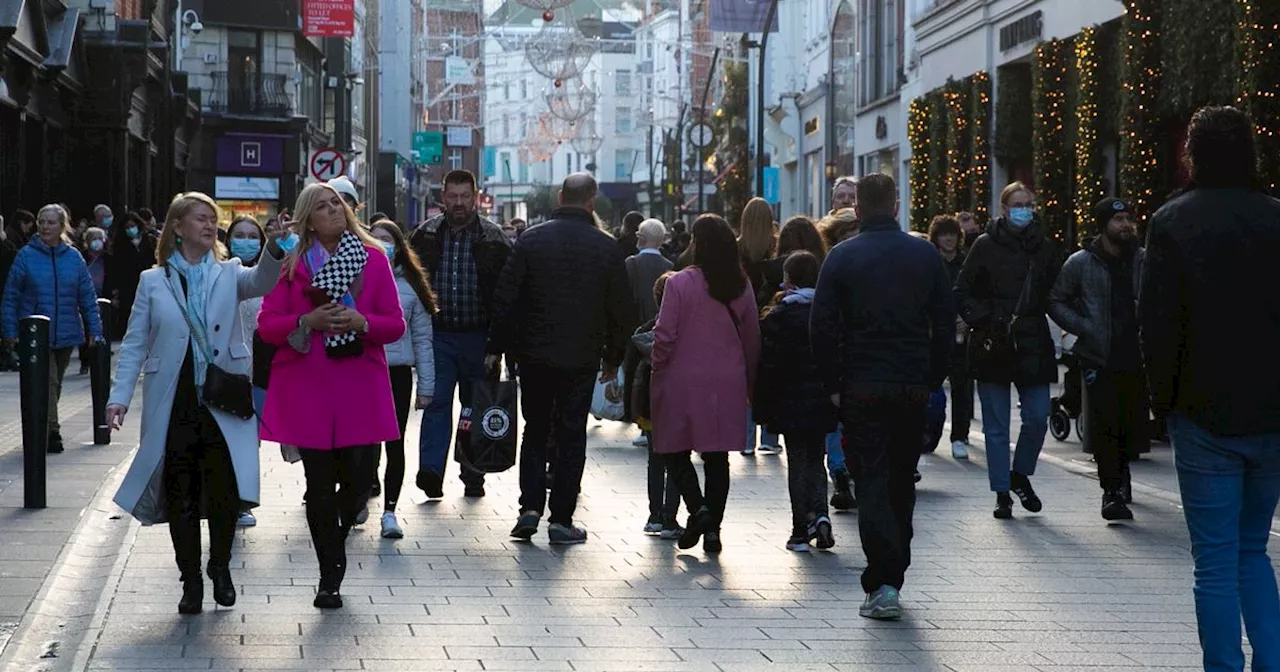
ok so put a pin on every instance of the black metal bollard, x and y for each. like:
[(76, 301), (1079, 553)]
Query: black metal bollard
[(33, 354), (100, 378)]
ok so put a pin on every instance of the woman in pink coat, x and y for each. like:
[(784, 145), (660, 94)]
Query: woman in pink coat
[(334, 309), (705, 348)]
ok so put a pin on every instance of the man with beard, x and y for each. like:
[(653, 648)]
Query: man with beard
[(1095, 298), (463, 254)]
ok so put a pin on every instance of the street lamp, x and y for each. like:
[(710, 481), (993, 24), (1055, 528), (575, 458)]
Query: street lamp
[(511, 188)]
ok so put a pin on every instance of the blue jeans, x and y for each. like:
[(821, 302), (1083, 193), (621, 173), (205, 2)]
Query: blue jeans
[(997, 401), (459, 357), (835, 453), (1230, 486), (766, 439)]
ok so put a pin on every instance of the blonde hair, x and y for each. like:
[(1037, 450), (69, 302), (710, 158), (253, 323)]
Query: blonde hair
[(835, 225), (181, 206), (758, 236), (1013, 188), (308, 200), (63, 216)]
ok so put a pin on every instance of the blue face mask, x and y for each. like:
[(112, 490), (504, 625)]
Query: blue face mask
[(1021, 217), (391, 249), (131, 231), (106, 221), (287, 242), (246, 248)]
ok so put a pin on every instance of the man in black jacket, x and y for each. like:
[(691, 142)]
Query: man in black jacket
[(1002, 293), (1210, 320), (463, 254), (1095, 298), (562, 307), (882, 327)]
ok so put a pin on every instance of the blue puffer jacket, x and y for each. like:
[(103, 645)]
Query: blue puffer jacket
[(53, 282)]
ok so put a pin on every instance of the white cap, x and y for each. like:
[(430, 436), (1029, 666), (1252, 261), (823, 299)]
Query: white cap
[(342, 184)]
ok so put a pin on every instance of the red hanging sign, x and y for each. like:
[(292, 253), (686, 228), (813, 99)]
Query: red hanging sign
[(328, 18)]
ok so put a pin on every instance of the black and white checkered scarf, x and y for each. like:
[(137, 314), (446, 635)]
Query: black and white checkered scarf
[(336, 277)]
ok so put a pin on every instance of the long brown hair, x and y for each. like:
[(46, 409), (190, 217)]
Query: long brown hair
[(758, 237), (180, 207), (307, 202), (407, 260), (800, 234)]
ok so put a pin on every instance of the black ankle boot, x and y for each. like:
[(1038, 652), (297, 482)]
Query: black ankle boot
[(192, 596), (224, 592)]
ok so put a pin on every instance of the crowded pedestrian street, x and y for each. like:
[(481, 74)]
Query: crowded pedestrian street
[(1056, 591)]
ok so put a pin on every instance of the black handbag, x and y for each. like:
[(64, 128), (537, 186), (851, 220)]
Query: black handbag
[(227, 392), (992, 345)]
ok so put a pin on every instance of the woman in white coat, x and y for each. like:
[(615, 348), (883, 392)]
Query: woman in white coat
[(192, 459)]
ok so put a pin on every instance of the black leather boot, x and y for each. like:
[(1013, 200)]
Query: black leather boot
[(224, 591), (192, 595)]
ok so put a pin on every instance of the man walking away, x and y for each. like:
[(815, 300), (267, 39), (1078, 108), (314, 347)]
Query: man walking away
[(883, 310), (1211, 364), (463, 254), (643, 270), (1095, 298), (562, 306)]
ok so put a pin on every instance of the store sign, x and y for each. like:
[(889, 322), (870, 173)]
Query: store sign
[(1026, 29), (248, 153), (328, 18), (458, 136), (428, 148), (457, 71), (247, 188)]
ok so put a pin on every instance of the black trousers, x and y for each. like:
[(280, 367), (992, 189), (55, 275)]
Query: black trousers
[(568, 393), (337, 488), (1116, 414), (402, 391), (199, 478), (716, 467), (664, 496), (962, 391), (806, 477), (882, 424)]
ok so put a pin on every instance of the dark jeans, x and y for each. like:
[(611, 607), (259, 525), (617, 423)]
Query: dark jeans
[(806, 477), (1116, 412), (402, 391), (337, 488), (459, 358), (664, 496), (59, 360), (199, 478), (716, 467), (569, 393), (882, 423), (961, 394)]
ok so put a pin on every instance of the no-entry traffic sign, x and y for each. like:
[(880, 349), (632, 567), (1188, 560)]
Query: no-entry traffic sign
[(327, 163)]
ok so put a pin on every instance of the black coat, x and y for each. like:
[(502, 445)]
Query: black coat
[(639, 370), (1209, 313), (988, 290), (490, 250), (790, 395), (563, 299)]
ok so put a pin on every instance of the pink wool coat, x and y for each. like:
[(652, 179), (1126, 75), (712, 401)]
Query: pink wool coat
[(703, 367), (315, 401)]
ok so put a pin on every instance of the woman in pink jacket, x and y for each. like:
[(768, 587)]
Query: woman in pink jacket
[(334, 309), (705, 348)]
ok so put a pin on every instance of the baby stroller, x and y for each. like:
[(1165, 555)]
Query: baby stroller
[(1065, 408)]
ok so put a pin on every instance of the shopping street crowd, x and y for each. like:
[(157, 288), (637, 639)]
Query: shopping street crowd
[(831, 338)]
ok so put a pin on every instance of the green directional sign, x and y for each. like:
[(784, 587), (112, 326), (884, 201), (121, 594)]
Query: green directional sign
[(428, 148)]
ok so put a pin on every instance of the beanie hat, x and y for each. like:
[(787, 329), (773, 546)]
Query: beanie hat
[(1105, 209)]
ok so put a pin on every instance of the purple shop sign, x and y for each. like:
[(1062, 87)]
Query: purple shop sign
[(249, 153)]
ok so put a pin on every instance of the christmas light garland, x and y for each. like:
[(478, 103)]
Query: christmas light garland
[(918, 177), (1049, 146), (959, 161), (1142, 177), (979, 156), (1090, 163), (950, 157), (1259, 29)]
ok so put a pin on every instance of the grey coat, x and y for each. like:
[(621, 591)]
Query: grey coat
[(1080, 302), (642, 271), (415, 347), (154, 348)]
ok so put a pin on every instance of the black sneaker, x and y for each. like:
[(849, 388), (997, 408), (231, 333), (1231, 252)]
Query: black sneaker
[(821, 533), (327, 599), (917, 476), (430, 483), (1113, 506), (526, 525), (1004, 506), (694, 529), (473, 491), (1026, 494), (711, 542), (560, 535), (55, 443), (843, 499), (376, 490)]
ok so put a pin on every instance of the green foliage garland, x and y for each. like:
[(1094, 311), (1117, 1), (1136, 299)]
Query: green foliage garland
[(730, 124), (979, 156), (1012, 142), (1142, 178), (1090, 163), (1199, 58), (918, 178), (1260, 82), (1049, 148), (955, 96), (939, 166)]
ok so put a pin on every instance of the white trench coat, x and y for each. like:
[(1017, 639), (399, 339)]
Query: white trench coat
[(155, 346)]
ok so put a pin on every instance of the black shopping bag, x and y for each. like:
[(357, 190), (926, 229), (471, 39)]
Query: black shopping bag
[(487, 431)]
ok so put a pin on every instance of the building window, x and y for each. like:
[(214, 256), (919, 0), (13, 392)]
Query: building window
[(881, 31), (506, 90), (506, 127), (568, 164), (524, 123), (622, 122), (622, 160), (622, 82), (524, 172), (455, 159), (524, 89)]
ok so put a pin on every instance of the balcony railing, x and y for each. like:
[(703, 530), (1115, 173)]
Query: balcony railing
[(251, 94)]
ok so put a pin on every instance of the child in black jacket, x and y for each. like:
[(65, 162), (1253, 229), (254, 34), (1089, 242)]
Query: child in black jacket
[(790, 400), (664, 496)]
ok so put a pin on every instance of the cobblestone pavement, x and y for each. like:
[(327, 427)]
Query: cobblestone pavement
[(1055, 591)]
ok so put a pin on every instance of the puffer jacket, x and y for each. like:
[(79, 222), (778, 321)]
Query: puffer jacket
[(987, 293), (1080, 302), (415, 347), (53, 282), (790, 392)]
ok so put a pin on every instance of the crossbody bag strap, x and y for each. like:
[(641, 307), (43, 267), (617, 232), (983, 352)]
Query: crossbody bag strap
[(182, 308)]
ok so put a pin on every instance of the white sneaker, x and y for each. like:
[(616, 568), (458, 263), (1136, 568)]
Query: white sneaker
[(391, 526), (959, 450), (246, 519), (641, 442)]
